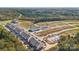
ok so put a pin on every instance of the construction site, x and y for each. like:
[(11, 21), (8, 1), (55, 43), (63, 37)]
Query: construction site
[(41, 36)]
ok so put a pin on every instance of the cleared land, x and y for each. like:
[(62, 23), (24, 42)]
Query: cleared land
[(63, 28), (55, 27), (25, 24)]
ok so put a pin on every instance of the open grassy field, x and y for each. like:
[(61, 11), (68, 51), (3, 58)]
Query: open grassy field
[(58, 23), (25, 24), (52, 23)]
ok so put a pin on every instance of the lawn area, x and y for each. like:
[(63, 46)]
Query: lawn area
[(25, 24), (58, 23), (52, 23)]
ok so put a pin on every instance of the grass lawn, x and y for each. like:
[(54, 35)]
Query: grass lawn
[(25, 24)]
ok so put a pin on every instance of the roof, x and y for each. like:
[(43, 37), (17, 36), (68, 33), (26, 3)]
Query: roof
[(54, 38), (35, 42)]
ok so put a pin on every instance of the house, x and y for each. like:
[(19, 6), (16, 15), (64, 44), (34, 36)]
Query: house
[(52, 39), (25, 35), (44, 27), (34, 28), (35, 43)]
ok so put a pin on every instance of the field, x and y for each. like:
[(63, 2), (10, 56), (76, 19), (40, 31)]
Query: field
[(57, 26), (25, 24)]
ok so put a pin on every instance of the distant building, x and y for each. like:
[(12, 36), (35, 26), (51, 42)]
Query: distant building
[(34, 28), (44, 27), (35, 43)]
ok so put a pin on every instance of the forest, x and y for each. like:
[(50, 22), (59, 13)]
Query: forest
[(39, 13)]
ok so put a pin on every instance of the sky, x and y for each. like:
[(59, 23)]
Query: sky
[(39, 3)]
